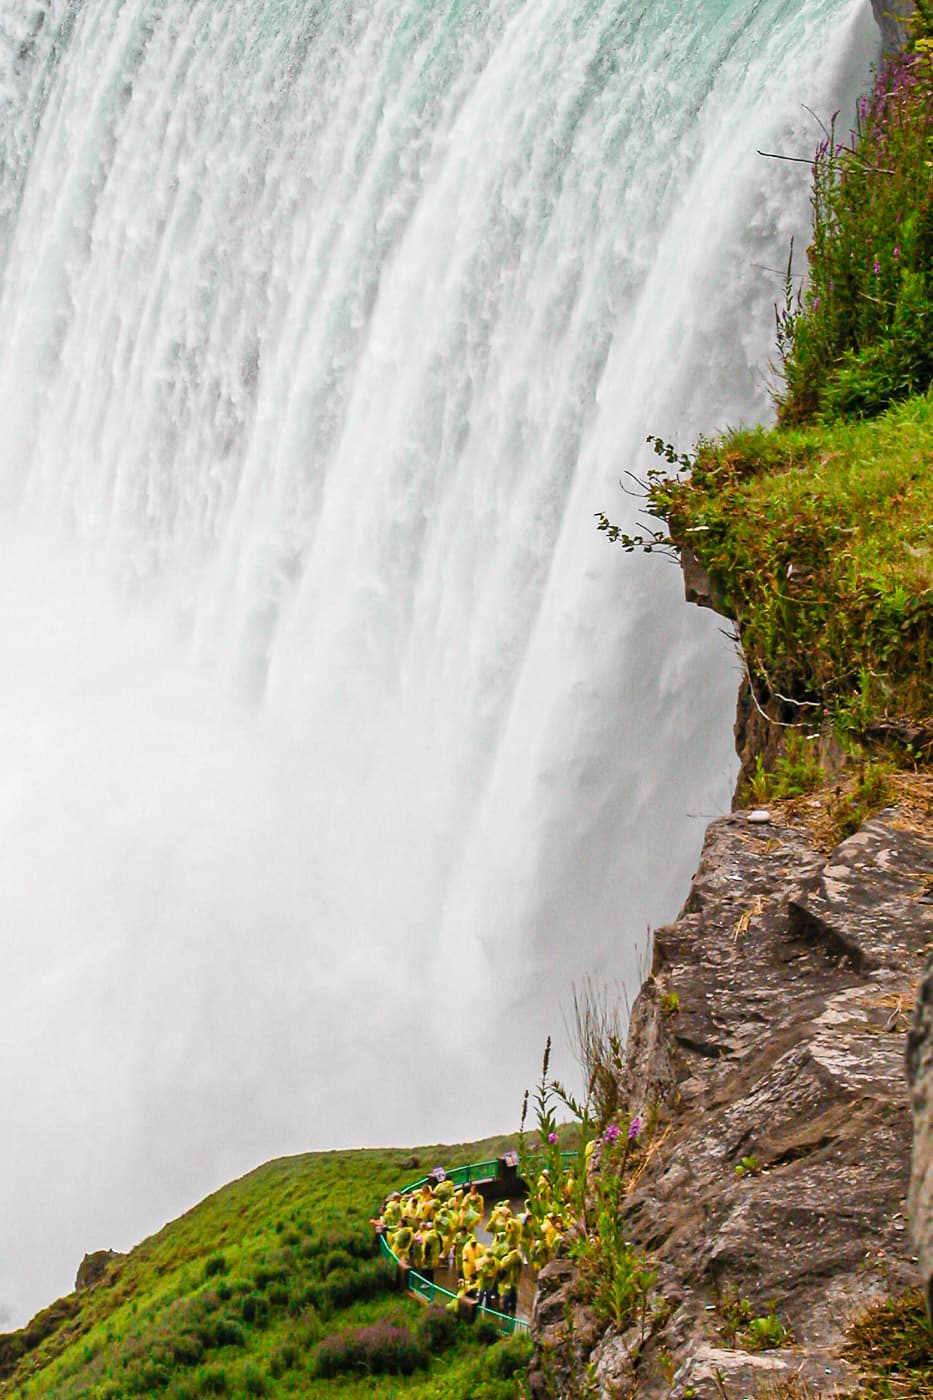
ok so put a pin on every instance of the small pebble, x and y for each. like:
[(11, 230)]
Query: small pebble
[(759, 817)]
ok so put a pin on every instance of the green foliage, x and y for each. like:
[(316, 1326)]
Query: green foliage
[(749, 1166), (819, 543), (437, 1329), (796, 772), (618, 1280), (764, 1333), (741, 1326), (859, 338), (509, 1357)]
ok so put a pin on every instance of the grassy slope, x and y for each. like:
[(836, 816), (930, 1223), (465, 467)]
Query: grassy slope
[(235, 1297)]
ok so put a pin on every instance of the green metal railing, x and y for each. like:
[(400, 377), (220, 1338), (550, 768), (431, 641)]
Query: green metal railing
[(475, 1171), (431, 1292), (460, 1176)]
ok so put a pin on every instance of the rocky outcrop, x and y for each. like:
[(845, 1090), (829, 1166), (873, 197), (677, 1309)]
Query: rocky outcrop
[(94, 1268), (920, 1072), (892, 16), (772, 1031)]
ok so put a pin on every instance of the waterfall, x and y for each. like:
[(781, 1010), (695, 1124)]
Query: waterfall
[(334, 739)]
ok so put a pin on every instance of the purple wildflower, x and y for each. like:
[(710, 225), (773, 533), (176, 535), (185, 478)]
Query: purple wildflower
[(552, 1138), (877, 267), (612, 1133), (816, 303), (897, 253), (634, 1130)]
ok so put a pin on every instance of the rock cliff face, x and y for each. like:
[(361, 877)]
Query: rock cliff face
[(892, 16), (920, 1072), (794, 974)]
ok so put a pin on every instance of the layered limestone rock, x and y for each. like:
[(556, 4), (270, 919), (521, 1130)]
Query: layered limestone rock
[(920, 1071), (772, 1030)]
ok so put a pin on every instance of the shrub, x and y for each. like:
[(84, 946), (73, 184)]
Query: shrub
[(212, 1380), (216, 1264), (799, 771), (486, 1331), (380, 1349), (254, 1381), (346, 1286), (153, 1375), (309, 1329), (437, 1329), (336, 1259), (765, 1332), (187, 1349), (284, 1358), (509, 1357), (223, 1331), (255, 1308)]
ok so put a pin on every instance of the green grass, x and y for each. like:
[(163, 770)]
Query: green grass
[(858, 338), (819, 541), (236, 1297)]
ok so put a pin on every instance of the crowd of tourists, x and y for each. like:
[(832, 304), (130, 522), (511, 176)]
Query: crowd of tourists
[(438, 1225)]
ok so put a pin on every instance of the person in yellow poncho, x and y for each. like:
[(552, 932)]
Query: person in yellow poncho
[(473, 1209), (514, 1231), (423, 1202), (430, 1252), (510, 1272), (392, 1211), (498, 1218), (461, 1238), (401, 1240), (446, 1223), (488, 1272), (469, 1260)]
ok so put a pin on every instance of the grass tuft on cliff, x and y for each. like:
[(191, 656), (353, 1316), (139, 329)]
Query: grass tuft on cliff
[(270, 1287), (819, 542), (891, 1345)]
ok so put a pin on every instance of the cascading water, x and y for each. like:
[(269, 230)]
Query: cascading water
[(334, 740)]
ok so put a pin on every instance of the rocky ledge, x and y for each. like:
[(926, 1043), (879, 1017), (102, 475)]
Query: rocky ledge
[(772, 1030)]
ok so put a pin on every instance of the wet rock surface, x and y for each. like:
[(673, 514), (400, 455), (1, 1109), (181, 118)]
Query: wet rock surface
[(795, 976)]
